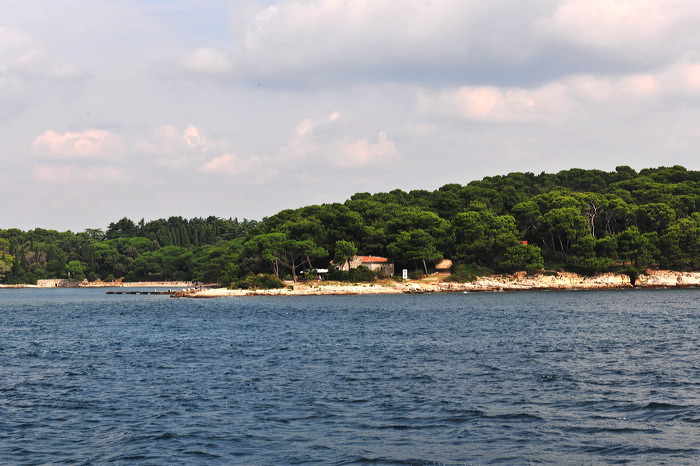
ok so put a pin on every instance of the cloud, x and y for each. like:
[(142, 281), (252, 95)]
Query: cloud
[(303, 144), (206, 60), (188, 150), (631, 31), (677, 83), (359, 153), (170, 140), (314, 142), (572, 96), (179, 149), (86, 144), (73, 174), (327, 42), (491, 104), (684, 77), (27, 57), (193, 138), (231, 165)]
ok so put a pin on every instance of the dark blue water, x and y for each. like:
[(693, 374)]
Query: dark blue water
[(530, 377)]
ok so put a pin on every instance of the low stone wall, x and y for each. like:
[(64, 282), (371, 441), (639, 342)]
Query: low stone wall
[(99, 284), (58, 283)]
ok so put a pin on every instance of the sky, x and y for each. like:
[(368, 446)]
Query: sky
[(240, 109)]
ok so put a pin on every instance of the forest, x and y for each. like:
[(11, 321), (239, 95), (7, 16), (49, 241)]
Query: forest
[(585, 221)]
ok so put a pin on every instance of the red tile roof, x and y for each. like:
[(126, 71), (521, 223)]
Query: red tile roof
[(372, 259)]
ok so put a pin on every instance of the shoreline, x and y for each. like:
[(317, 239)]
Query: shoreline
[(520, 281), (61, 283)]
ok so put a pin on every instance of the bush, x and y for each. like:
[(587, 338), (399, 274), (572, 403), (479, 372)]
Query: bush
[(261, 281), (462, 273), (360, 274)]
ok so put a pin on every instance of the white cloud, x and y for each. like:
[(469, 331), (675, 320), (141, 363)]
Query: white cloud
[(231, 165), (25, 56), (180, 149), (86, 144), (684, 77), (206, 60), (678, 82), (630, 30), (548, 103), (576, 95), (293, 43), (303, 144), (605, 23), (306, 148), (343, 39), (193, 138), (188, 150), (359, 153), (73, 174)]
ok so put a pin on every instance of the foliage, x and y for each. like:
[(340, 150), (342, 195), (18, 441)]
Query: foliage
[(586, 220), (258, 282), (359, 274), (344, 251), (463, 273)]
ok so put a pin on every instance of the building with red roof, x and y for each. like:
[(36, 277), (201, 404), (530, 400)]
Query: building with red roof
[(374, 263)]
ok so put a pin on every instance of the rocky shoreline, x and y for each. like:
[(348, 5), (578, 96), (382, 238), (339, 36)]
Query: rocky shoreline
[(516, 282), (435, 283)]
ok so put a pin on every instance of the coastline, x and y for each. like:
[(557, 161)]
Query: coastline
[(435, 283), (516, 282), (63, 283)]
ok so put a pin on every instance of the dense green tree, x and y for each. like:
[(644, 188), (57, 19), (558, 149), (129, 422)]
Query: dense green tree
[(266, 248), (6, 263), (563, 227), (75, 270), (294, 253), (633, 246), (415, 245), (344, 251), (583, 219)]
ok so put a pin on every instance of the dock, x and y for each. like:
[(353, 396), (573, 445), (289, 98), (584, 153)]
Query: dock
[(169, 292)]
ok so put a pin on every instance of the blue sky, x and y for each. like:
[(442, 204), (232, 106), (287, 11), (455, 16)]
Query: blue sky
[(149, 109)]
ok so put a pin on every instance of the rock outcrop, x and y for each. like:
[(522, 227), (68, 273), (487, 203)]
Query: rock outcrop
[(667, 279)]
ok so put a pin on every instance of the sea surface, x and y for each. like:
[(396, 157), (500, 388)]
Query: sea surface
[(590, 377)]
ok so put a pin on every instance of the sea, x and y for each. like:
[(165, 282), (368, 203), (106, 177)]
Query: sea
[(566, 377)]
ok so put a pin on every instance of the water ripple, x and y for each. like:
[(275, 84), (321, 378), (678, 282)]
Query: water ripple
[(599, 377)]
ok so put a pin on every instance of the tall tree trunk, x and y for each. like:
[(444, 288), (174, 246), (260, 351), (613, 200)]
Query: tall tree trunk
[(293, 266)]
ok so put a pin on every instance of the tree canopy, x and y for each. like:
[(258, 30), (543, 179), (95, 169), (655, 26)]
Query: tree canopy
[(583, 220)]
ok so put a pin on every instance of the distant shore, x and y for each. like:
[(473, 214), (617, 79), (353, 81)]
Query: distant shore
[(64, 283), (433, 284)]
